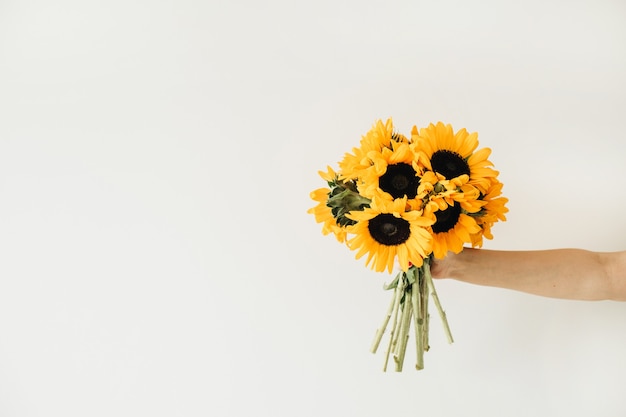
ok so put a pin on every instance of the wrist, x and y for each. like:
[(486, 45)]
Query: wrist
[(457, 264)]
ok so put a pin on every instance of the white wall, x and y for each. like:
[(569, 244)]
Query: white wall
[(155, 164)]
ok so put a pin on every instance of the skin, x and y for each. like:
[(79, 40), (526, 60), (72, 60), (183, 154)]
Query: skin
[(573, 274)]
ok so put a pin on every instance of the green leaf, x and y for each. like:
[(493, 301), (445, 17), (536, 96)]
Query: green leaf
[(411, 276), (393, 284)]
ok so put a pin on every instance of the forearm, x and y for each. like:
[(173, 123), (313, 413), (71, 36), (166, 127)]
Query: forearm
[(560, 273)]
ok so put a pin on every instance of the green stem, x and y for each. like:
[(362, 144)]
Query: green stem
[(425, 297), (381, 330), (397, 296), (442, 314), (418, 324), (407, 313)]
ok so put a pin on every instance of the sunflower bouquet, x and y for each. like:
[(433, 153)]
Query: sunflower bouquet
[(407, 201)]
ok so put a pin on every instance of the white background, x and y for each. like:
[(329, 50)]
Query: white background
[(156, 158)]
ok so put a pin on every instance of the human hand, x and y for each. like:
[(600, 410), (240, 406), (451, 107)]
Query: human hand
[(439, 268), (448, 267)]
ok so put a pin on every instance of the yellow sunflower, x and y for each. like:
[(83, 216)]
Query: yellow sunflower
[(322, 212), (493, 210), (454, 226), (394, 173), (437, 193), (386, 231), (380, 136), (453, 154)]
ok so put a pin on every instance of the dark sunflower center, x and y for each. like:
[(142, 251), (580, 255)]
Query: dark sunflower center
[(449, 164), (447, 219), (389, 230), (399, 180)]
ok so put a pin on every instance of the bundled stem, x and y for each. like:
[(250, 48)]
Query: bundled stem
[(409, 306), (397, 297), (418, 319), (403, 336), (442, 314), (381, 329)]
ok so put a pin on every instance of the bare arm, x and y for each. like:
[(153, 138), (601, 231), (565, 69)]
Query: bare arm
[(574, 274)]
